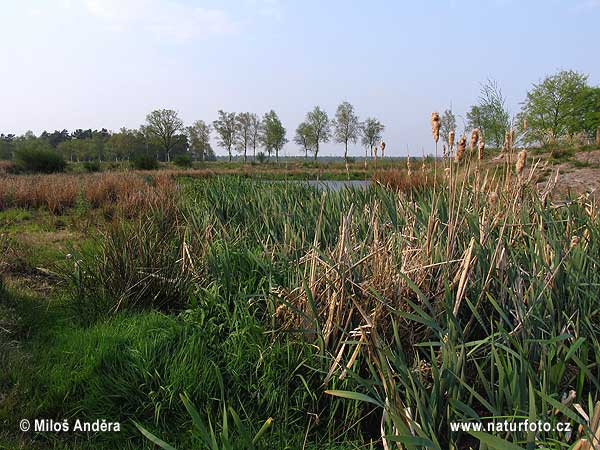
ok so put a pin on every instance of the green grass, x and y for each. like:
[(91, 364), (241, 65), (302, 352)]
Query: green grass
[(214, 301)]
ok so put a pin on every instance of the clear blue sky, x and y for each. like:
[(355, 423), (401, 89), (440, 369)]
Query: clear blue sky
[(107, 63)]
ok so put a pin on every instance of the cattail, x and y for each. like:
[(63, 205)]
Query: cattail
[(512, 137), (408, 166), (375, 151), (435, 126), (460, 148), (474, 139), (444, 151), (481, 148), (520, 165), (493, 198), (525, 124), (451, 140), (382, 149), (574, 241), (506, 145)]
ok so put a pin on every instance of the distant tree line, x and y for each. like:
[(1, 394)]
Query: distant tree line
[(562, 107)]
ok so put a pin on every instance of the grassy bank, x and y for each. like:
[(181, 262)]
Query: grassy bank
[(350, 318)]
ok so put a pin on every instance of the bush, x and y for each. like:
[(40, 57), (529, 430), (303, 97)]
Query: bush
[(39, 159), (183, 161), (92, 166), (145, 162)]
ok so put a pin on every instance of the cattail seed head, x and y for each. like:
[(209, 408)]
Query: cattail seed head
[(574, 241), (460, 148), (382, 149), (451, 140), (525, 124), (444, 151), (493, 198), (481, 148), (474, 139), (435, 126), (408, 166), (520, 165)]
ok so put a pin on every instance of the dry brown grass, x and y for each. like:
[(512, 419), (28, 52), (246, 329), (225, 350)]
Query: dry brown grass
[(130, 192)]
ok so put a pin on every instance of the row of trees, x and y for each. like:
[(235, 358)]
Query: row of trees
[(562, 108)]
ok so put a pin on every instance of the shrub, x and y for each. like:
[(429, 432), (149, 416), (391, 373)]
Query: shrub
[(261, 157), (145, 162), (183, 161), (92, 166), (39, 159)]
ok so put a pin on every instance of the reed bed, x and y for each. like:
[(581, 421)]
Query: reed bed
[(128, 192), (473, 302), (393, 311)]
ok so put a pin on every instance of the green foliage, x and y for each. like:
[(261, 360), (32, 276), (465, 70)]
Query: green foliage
[(183, 161), (490, 114), (38, 157), (556, 107), (92, 166), (145, 162)]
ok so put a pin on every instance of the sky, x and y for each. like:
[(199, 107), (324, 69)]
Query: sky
[(107, 63)]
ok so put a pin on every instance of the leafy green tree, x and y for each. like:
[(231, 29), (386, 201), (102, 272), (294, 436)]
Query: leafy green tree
[(225, 126), (371, 132), (125, 144), (165, 126), (305, 138), (447, 124), (199, 138), (243, 134), (586, 113), (7, 146), (490, 115), (346, 126), (551, 107), (319, 122), (273, 136), (255, 130)]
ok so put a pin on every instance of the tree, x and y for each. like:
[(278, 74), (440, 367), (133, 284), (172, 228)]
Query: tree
[(346, 126), (305, 138), (199, 138), (319, 122), (243, 133), (586, 117), (551, 106), (371, 132), (225, 126), (166, 127), (273, 136), (447, 124), (125, 144), (490, 114), (255, 130)]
